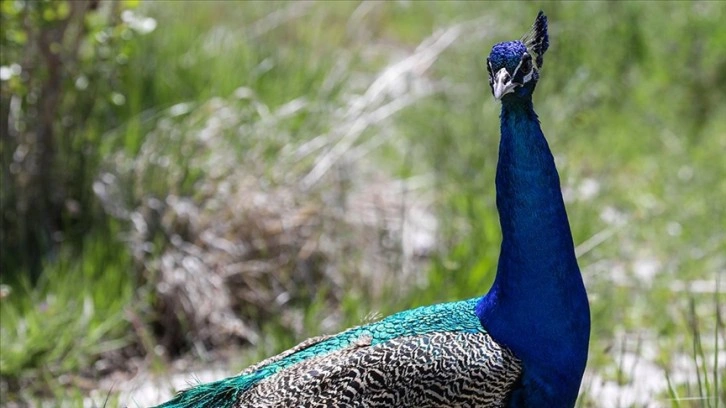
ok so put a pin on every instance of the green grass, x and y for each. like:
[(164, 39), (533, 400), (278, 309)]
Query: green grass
[(53, 332), (632, 100)]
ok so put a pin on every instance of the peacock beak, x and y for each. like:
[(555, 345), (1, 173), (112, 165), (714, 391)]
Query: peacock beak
[(502, 84)]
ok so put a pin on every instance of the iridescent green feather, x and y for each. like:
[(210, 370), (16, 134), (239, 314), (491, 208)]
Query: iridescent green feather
[(446, 317)]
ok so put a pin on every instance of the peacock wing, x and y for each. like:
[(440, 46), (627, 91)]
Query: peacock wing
[(437, 369)]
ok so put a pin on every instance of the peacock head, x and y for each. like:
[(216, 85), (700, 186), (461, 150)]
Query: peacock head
[(514, 65)]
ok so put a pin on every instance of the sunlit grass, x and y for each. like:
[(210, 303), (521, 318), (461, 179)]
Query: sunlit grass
[(55, 331)]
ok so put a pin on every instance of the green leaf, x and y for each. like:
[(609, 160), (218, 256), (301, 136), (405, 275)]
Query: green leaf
[(63, 10), (9, 8), (129, 4), (49, 14)]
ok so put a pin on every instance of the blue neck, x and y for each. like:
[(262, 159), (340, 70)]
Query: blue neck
[(537, 305)]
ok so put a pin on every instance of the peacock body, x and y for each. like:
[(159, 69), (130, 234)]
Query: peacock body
[(523, 344)]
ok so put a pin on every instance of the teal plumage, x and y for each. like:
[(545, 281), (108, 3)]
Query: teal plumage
[(455, 323), (523, 344)]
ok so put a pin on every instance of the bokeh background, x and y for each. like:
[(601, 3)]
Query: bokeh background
[(188, 187)]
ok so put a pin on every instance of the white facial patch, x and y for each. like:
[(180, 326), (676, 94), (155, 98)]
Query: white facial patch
[(527, 77)]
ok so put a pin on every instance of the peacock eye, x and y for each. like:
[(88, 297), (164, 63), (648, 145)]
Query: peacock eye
[(489, 69), (526, 65)]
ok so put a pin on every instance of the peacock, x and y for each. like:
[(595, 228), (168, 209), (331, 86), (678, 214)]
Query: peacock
[(523, 344)]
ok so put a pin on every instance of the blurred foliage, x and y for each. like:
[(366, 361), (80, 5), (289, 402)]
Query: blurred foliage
[(632, 100), (84, 322), (64, 64)]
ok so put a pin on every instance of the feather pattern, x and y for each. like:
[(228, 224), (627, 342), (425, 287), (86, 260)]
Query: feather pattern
[(423, 357), (438, 369)]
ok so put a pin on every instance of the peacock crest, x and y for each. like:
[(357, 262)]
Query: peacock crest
[(537, 40)]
